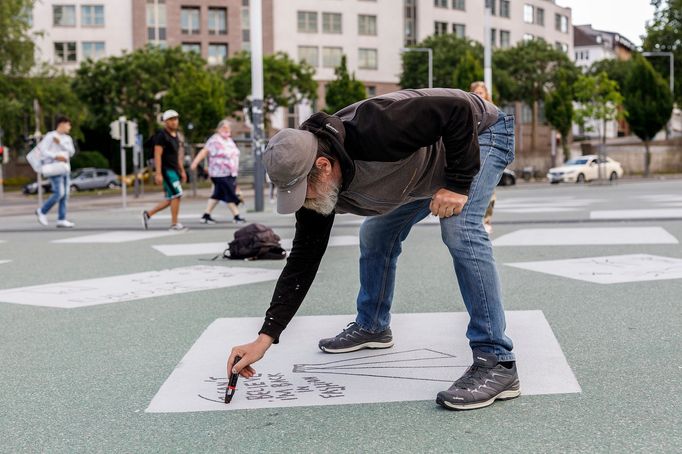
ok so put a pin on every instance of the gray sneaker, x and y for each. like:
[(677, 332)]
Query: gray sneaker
[(355, 338), (483, 382)]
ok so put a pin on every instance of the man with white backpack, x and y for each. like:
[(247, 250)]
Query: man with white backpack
[(56, 150)]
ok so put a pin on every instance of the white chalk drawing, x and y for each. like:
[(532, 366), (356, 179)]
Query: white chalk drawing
[(586, 236), (176, 250), (130, 287), (430, 353), (614, 269), (123, 236)]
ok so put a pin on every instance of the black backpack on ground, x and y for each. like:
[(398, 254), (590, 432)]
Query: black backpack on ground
[(255, 242)]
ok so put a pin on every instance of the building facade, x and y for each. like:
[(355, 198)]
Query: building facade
[(212, 28), (68, 32)]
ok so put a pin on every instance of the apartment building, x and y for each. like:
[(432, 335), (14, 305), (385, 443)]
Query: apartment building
[(592, 45), (212, 28), (68, 32)]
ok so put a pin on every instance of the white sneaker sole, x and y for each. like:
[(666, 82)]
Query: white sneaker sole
[(354, 348), (504, 395)]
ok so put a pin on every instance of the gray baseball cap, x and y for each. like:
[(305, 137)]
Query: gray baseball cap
[(288, 159)]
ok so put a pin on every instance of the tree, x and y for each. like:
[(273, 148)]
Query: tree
[(617, 70), (599, 99), (135, 84), (344, 90), (664, 34), (285, 82), (16, 46), (527, 71), (449, 53), (649, 104), (559, 108), (468, 70)]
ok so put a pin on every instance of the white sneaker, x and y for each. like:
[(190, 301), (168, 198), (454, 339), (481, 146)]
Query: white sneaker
[(42, 219), (177, 227), (64, 224)]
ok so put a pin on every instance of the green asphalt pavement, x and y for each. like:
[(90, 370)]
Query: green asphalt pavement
[(79, 380)]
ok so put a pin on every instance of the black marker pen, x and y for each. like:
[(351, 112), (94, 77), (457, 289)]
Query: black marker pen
[(232, 384)]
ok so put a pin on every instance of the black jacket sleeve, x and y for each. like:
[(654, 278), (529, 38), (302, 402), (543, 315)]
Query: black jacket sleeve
[(310, 243), (393, 129)]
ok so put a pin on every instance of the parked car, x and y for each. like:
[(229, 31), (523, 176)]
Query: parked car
[(508, 178), (91, 178), (584, 169), (32, 188)]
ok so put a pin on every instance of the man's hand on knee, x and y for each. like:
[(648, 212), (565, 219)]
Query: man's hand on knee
[(446, 203)]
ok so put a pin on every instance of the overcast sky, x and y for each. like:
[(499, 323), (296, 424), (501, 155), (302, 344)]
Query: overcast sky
[(627, 17)]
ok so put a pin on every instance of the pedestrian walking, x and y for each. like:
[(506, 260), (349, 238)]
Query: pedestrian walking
[(223, 168), (169, 169), (56, 150)]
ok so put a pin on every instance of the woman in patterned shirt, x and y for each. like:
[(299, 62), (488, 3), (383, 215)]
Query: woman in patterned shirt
[(223, 166)]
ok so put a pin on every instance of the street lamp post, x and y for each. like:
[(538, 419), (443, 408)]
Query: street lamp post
[(429, 51), (258, 139)]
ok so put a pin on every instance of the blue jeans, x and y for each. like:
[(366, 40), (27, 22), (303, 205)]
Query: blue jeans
[(467, 241), (60, 193)]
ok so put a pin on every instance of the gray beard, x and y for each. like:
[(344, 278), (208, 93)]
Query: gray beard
[(326, 200)]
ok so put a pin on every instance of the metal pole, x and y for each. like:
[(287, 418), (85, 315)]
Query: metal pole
[(124, 185), (487, 50), (256, 24), (2, 160)]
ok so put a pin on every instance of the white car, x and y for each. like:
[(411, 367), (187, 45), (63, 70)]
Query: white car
[(585, 168)]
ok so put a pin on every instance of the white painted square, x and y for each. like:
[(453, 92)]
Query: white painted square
[(614, 269), (653, 213), (430, 353), (586, 236), (176, 250), (123, 236), (130, 287)]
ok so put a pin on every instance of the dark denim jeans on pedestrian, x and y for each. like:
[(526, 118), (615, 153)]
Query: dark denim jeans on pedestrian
[(60, 193), (467, 241)]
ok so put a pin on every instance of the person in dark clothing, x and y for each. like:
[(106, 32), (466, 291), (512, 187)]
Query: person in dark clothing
[(396, 158), (169, 169)]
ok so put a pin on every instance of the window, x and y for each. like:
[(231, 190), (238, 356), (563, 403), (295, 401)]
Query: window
[(410, 23), (561, 23), (155, 23), (459, 30), (309, 54), (493, 37), (505, 8), (458, 4), (561, 46), (65, 52), (440, 3), (528, 37), (371, 90), (367, 25), (64, 15), (331, 57), (528, 14), (331, 23), (246, 28), (217, 21), (491, 4), (440, 28), (192, 47), (93, 50), (190, 20), (217, 54), (540, 16), (505, 39), (367, 59), (307, 22), (92, 15)]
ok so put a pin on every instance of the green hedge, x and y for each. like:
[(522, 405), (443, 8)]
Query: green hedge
[(89, 159)]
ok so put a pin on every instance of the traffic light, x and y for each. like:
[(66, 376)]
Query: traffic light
[(131, 134)]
